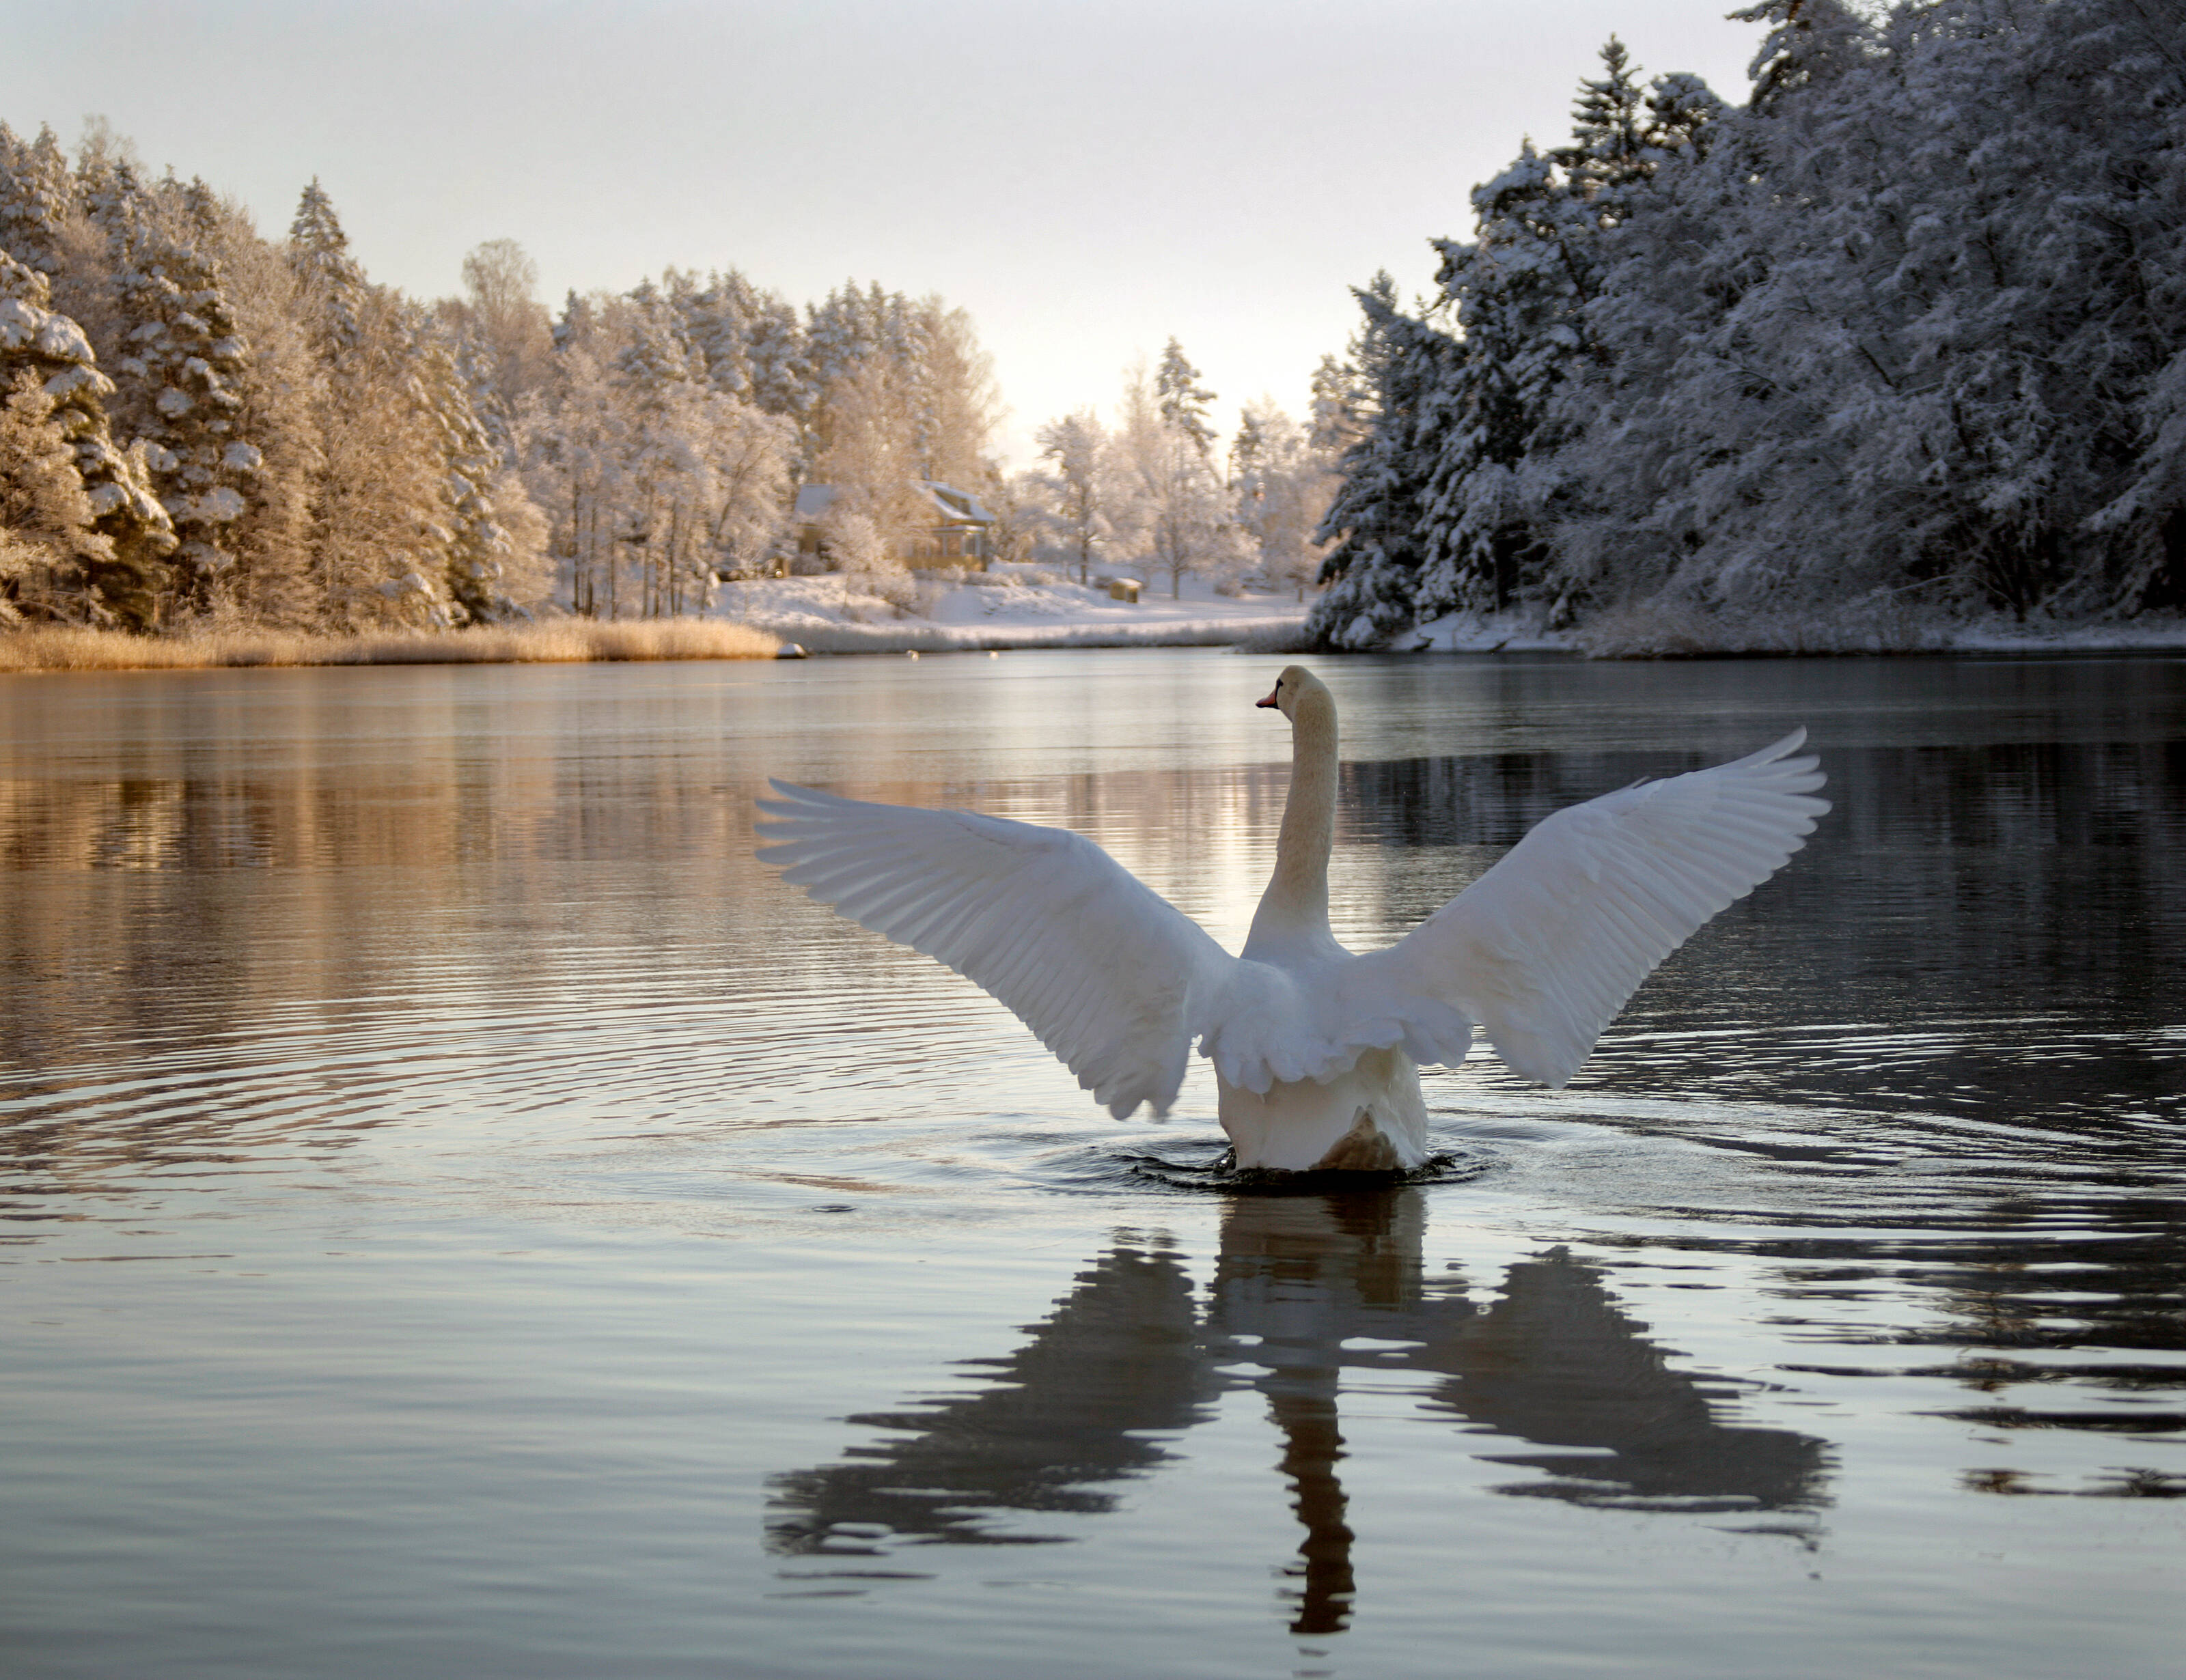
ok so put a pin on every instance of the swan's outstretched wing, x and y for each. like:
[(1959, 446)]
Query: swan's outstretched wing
[(1107, 974), (1544, 947)]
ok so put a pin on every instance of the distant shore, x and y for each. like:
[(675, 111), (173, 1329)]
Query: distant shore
[(793, 635), (1651, 632)]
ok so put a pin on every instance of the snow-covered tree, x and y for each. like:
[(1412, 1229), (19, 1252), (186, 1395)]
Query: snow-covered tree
[(377, 536), (35, 199), (507, 322), (1282, 485), (654, 481), (1376, 524), (1170, 504), (1181, 401), (48, 547), (116, 579), (1903, 334), (871, 458), (851, 542), (1073, 491)]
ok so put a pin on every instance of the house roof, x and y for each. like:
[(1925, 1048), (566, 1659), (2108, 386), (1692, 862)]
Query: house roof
[(813, 502), (958, 504)]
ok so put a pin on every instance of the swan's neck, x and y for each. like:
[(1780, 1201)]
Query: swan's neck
[(1294, 910)]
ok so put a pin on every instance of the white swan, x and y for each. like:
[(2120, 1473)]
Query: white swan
[(1316, 1050)]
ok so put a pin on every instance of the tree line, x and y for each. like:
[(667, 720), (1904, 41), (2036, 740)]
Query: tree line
[(201, 427), (1154, 492), (1903, 338)]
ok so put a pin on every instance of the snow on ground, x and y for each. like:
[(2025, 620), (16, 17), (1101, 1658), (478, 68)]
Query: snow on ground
[(1661, 634), (1009, 607), (1483, 633), (1029, 607), (2002, 635)]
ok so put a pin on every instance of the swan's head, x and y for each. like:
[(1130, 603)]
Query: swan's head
[(1295, 688)]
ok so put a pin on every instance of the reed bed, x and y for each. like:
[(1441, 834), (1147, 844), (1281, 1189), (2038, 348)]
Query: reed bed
[(68, 647)]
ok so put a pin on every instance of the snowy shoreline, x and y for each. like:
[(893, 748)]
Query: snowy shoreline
[(1770, 638), (1005, 610), (1026, 608)]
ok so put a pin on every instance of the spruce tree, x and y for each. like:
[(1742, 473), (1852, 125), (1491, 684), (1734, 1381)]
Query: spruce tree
[(468, 532), (36, 195), (1375, 523), (118, 578), (185, 359), (379, 528), (332, 284), (1181, 399)]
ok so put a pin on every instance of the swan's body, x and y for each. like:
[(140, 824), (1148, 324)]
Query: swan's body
[(1316, 1050)]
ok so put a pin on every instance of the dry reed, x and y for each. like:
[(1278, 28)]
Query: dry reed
[(67, 647)]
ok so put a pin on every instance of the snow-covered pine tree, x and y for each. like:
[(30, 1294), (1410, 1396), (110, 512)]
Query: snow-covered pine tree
[(747, 457), (1246, 450), (1181, 399), (1810, 43), (779, 361), (508, 328), (378, 529), (118, 577), (653, 372), (1074, 486), (36, 197), (475, 545), (959, 397), (332, 284), (1374, 524), (47, 544), (1895, 341), (870, 457), (183, 360), (717, 316), (1337, 419), (1170, 507), (1521, 293), (843, 333), (1282, 486), (574, 446)]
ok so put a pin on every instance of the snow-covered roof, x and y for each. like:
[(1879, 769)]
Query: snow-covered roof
[(813, 501), (958, 504)]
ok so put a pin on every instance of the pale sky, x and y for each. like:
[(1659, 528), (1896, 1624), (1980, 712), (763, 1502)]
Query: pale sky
[(1086, 179)]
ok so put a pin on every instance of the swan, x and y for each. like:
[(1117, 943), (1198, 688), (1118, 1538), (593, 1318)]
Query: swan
[(1316, 1050)]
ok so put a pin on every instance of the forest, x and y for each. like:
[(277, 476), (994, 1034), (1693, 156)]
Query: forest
[(204, 430), (1898, 342), (1895, 345)]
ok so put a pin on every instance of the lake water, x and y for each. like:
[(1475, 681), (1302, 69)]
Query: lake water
[(462, 1216)]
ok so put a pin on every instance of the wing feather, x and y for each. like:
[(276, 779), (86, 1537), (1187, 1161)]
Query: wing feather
[(1109, 977), (1545, 948)]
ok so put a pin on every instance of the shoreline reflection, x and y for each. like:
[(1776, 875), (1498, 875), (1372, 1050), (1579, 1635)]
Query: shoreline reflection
[(1310, 1292)]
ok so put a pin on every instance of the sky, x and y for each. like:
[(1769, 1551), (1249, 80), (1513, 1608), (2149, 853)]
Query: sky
[(1086, 179)]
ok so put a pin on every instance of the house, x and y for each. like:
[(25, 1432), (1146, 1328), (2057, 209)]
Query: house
[(957, 536)]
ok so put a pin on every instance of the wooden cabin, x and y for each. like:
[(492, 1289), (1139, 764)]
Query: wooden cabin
[(958, 537)]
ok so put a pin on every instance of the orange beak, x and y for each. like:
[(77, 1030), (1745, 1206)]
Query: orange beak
[(1271, 700)]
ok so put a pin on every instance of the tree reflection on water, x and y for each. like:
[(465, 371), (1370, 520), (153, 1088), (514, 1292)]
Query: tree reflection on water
[(1306, 1289)]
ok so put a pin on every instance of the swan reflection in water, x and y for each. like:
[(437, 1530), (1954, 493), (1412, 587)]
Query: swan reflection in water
[(1133, 1356)]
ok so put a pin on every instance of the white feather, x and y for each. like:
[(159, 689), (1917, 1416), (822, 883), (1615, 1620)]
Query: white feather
[(1109, 975), (1543, 950)]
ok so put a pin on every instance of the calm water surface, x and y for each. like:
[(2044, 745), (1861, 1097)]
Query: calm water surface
[(461, 1216)]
